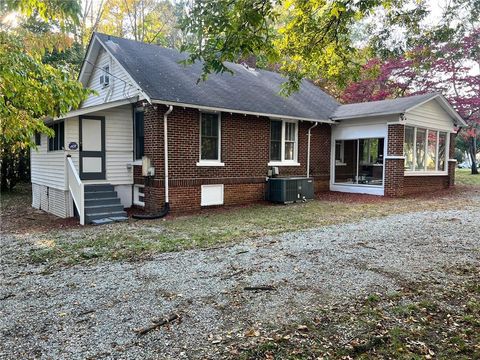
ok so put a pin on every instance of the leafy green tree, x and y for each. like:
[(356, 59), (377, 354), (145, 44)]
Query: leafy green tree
[(151, 21), (31, 90), (304, 38)]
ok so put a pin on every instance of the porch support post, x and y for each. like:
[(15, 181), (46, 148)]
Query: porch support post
[(395, 161)]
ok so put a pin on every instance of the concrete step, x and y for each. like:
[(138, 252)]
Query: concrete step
[(100, 194), (109, 220), (98, 187), (102, 209), (106, 215), (102, 201)]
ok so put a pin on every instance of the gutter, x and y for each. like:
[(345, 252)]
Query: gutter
[(165, 150), (308, 147)]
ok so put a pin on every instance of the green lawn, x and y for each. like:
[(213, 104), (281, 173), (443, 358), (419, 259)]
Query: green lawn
[(137, 240), (465, 177)]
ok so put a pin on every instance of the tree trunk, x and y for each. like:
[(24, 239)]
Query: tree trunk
[(473, 153)]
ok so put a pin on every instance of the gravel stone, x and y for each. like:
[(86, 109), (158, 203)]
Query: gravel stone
[(90, 311)]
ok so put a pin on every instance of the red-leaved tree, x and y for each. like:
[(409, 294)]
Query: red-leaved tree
[(451, 68)]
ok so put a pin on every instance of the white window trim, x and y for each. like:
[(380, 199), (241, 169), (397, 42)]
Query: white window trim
[(425, 172), (283, 162), (136, 195), (208, 162)]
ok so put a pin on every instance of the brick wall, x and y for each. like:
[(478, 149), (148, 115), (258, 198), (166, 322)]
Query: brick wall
[(394, 168), (245, 148), (423, 184)]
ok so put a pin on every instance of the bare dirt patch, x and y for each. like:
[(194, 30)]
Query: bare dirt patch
[(17, 215)]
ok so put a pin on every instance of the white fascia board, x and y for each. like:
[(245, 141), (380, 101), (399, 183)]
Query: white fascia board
[(244, 112), (133, 82), (85, 64), (96, 108), (367, 115)]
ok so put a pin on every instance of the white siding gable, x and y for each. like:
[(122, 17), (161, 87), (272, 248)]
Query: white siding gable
[(430, 115), (120, 85)]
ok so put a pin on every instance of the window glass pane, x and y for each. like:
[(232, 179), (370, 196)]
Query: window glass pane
[(57, 141), (442, 144), (432, 150), (38, 138), (290, 131), (290, 150), (275, 140), (51, 140), (209, 148), (370, 167), (139, 135), (209, 136), (420, 151), (290, 141), (339, 151), (61, 136), (346, 172), (408, 147)]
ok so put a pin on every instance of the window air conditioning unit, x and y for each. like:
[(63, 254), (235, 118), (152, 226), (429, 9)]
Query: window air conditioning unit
[(289, 189)]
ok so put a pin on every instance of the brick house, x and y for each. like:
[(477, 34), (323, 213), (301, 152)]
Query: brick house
[(225, 138)]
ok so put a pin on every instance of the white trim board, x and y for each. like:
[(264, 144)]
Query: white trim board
[(355, 189), (100, 107)]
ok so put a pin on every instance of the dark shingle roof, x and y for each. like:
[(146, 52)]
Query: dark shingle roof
[(157, 71), (382, 107)]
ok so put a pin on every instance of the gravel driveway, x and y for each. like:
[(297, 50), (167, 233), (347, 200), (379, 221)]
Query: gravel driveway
[(92, 311)]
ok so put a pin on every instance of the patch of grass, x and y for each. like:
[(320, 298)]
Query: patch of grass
[(121, 246), (217, 228), (441, 323), (465, 177)]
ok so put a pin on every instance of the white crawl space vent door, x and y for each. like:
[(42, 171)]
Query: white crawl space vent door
[(212, 195)]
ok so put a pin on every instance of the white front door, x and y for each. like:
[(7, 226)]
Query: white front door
[(92, 147)]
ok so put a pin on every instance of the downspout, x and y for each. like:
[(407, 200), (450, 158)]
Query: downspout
[(165, 150), (166, 206), (308, 148)]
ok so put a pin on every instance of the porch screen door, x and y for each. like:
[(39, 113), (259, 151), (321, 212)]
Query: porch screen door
[(92, 147)]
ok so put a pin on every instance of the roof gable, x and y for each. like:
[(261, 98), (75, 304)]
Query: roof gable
[(121, 85), (396, 106)]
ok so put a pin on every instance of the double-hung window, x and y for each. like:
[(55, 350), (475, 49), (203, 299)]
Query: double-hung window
[(283, 142), (139, 133), (425, 150), (57, 141), (210, 140)]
